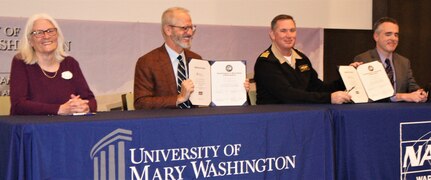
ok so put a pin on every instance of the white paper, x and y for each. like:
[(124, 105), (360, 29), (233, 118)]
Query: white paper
[(219, 82), (353, 84), (375, 80), (200, 74), (228, 79)]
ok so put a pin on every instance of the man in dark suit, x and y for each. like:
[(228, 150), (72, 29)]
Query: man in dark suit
[(386, 31), (285, 75), (155, 84)]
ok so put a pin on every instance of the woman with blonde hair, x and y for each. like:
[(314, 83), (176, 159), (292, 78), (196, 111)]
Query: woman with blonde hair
[(44, 79)]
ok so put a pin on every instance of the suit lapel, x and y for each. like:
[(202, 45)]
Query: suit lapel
[(187, 58), (375, 56), (166, 63), (289, 72), (397, 64)]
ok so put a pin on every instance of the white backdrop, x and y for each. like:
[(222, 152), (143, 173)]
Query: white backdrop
[(341, 14)]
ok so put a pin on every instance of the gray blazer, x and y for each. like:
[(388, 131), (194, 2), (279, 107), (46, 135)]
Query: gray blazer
[(405, 81)]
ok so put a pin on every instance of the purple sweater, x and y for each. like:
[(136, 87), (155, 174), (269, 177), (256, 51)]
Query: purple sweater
[(32, 93)]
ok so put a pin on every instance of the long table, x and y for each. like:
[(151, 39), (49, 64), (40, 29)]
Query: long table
[(343, 142), (252, 142)]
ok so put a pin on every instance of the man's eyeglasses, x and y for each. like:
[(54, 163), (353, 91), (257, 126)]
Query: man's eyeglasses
[(41, 33), (186, 28)]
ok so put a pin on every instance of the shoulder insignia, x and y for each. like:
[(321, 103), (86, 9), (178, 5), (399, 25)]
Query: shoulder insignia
[(265, 54)]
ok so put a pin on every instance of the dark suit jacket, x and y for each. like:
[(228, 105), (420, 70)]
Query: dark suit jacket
[(155, 84), (405, 81), (428, 89), (281, 84)]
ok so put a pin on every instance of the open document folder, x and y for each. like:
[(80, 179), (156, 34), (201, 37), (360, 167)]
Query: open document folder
[(218, 83), (367, 82)]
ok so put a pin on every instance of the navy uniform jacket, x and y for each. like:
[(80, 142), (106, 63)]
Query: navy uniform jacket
[(281, 84)]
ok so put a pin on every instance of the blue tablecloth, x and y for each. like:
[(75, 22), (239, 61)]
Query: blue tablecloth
[(371, 141), (255, 142), (345, 142)]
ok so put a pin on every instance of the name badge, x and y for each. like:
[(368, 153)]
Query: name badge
[(304, 67)]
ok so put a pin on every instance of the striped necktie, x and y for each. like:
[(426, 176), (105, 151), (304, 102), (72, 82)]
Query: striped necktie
[(181, 74), (389, 71)]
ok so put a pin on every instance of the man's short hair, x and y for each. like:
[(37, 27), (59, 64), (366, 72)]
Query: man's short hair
[(280, 17), (383, 20), (168, 16)]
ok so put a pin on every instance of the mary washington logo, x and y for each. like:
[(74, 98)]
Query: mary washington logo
[(112, 167), (199, 162), (415, 150)]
